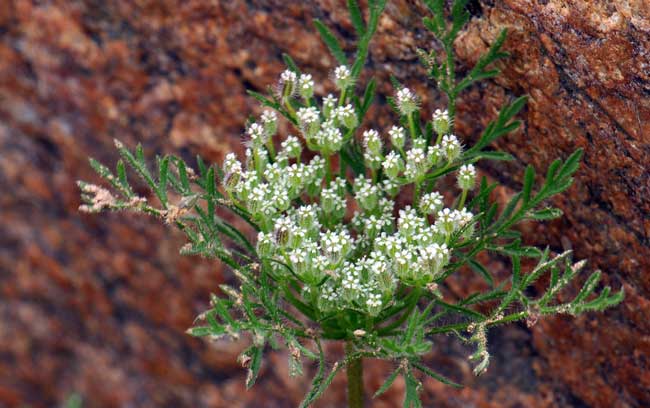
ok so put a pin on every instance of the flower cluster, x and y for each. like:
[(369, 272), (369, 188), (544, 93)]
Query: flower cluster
[(354, 261)]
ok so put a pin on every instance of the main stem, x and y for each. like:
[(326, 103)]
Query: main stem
[(355, 379)]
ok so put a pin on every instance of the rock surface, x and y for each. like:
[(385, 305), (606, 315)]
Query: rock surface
[(98, 305)]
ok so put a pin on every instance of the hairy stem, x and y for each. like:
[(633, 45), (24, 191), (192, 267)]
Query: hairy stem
[(355, 379)]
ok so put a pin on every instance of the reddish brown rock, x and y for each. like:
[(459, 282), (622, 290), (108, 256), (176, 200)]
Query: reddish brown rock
[(98, 304)]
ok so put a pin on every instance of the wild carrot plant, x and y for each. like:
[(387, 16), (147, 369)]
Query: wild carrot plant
[(334, 257)]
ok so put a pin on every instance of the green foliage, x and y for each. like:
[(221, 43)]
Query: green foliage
[(314, 274)]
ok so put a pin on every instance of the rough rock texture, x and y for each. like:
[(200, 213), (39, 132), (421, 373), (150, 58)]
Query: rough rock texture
[(98, 304)]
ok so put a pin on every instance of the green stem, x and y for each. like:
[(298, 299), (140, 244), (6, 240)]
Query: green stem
[(290, 109), (328, 168), (355, 378), (439, 139), (412, 126), (271, 149), (416, 193), (463, 197), (451, 86), (342, 97)]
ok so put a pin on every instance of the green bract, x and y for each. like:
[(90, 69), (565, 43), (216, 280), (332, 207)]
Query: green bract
[(335, 257)]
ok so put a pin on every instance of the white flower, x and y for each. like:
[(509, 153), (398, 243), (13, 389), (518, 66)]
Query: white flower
[(331, 201), (466, 177), (441, 122), (367, 194), (373, 225), (447, 221), (291, 147), (270, 121), (433, 258), (257, 134), (309, 120), (404, 265), (431, 202), (451, 147), (372, 159), (392, 164), (397, 136), (329, 104), (231, 165), (434, 154), (306, 86), (346, 116), (336, 246), (265, 244), (288, 82), (373, 301), (390, 187), (406, 101), (416, 163), (372, 141), (342, 77), (464, 217), (329, 138), (409, 223)]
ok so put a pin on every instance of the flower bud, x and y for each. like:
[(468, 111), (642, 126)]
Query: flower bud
[(466, 177), (441, 122)]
